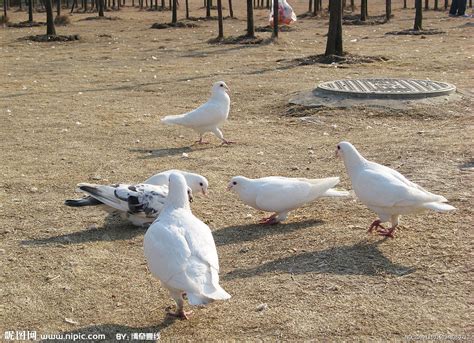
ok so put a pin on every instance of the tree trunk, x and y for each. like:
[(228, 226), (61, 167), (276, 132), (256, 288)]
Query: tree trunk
[(363, 10), (418, 16), (334, 41), (50, 29), (446, 4), (404, 4), (231, 10), (30, 10), (174, 18), (316, 7), (101, 8), (5, 10), (353, 5), (208, 9), (220, 19), (388, 9), (310, 6), (436, 5), (250, 27), (58, 7), (427, 5), (275, 20), (187, 8)]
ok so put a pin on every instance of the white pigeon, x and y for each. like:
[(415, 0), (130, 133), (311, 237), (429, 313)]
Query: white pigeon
[(385, 191), (140, 203), (181, 253), (208, 117), (281, 194)]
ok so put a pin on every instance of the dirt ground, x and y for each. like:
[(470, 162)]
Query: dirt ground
[(89, 111)]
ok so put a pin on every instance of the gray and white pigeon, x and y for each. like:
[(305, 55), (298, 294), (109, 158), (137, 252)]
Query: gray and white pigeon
[(181, 253), (385, 191), (139, 203), (208, 117), (281, 194)]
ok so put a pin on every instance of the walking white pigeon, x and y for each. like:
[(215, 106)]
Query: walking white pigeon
[(181, 253), (385, 191), (208, 117), (281, 194), (140, 203)]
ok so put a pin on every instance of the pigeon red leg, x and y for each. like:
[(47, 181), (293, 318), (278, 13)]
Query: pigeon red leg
[(375, 224), (387, 233), (269, 220), (181, 314)]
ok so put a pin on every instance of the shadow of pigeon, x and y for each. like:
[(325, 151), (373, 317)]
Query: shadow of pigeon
[(251, 232), (359, 259)]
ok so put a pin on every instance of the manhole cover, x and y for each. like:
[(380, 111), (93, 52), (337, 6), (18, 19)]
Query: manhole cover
[(387, 88)]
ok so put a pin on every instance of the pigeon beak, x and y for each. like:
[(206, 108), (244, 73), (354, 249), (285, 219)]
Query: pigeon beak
[(226, 87), (229, 187), (204, 192)]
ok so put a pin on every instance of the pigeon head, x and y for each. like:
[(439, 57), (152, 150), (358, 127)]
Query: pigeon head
[(236, 183), (179, 193), (197, 183), (349, 154), (219, 87)]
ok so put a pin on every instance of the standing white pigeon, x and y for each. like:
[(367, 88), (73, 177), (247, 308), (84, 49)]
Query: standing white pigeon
[(208, 117), (281, 194), (385, 191), (181, 252), (140, 203)]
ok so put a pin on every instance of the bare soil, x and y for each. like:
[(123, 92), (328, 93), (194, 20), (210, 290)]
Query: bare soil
[(89, 111)]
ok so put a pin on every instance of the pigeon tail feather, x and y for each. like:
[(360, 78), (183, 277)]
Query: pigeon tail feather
[(105, 194), (439, 207), (174, 119), (331, 192), (88, 201)]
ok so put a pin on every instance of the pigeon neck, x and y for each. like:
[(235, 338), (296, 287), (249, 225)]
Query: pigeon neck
[(177, 199), (353, 159), (219, 94)]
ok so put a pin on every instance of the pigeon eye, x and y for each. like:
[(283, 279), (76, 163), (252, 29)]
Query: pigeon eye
[(234, 183), (221, 85), (338, 147), (200, 184)]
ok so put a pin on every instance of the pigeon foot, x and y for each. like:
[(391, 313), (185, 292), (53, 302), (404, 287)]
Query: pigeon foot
[(375, 225), (226, 142), (269, 220), (387, 233), (183, 315)]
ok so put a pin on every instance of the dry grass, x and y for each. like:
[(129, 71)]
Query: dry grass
[(79, 111)]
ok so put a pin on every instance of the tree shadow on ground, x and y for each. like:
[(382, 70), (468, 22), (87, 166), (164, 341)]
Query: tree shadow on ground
[(115, 229), (111, 330), (362, 258), (251, 232)]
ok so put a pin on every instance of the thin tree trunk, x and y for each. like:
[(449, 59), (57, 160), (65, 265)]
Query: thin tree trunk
[(50, 29), (363, 10), (353, 5), (446, 4), (388, 9), (187, 9), (58, 7), (174, 18), (101, 8), (250, 26), (310, 6), (221, 20), (418, 16), (404, 4), (436, 5), (334, 41), (427, 5), (231, 10), (30, 10), (208, 9), (5, 10), (275, 20)]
